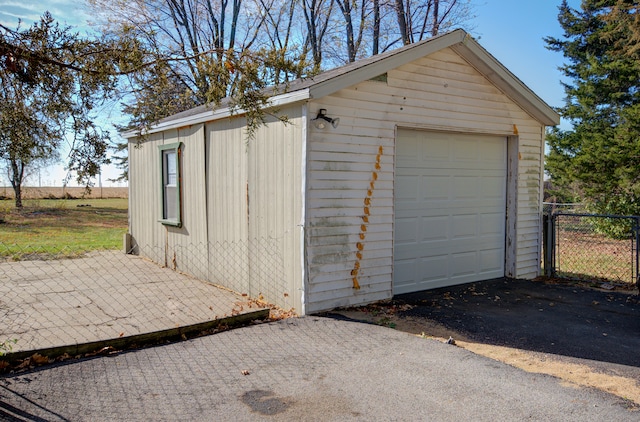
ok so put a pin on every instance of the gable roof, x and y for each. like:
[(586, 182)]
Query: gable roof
[(342, 77)]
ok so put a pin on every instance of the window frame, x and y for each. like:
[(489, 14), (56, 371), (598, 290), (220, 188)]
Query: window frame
[(176, 148)]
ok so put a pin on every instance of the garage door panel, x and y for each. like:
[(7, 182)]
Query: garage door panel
[(464, 187), (492, 187), (491, 224), (407, 187), (464, 226), (405, 229), (434, 187), (463, 264), (433, 268), (465, 150), (493, 151), (450, 215), (424, 249), (433, 229), (437, 150), (491, 261)]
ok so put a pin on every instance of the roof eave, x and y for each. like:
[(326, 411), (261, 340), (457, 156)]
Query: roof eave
[(458, 40), (217, 114)]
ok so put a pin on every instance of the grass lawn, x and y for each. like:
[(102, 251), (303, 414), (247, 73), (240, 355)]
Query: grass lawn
[(595, 257), (58, 226)]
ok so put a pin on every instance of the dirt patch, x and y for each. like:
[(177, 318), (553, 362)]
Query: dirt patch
[(571, 373)]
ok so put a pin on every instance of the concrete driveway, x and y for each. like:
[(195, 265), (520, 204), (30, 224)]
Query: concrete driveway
[(306, 369), (107, 298)]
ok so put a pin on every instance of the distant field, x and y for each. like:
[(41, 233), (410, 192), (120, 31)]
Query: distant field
[(68, 193), (58, 228)]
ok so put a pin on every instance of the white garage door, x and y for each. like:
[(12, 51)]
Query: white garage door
[(450, 206)]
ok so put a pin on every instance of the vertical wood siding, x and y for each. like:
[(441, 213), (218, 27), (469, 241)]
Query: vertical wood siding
[(176, 247), (241, 206), (187, 244), (144, 198), (227, 223), (275, 211), (439, 92), (254, 208)]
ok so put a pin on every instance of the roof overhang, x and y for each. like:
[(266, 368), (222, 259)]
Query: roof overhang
[(204, 114), (334, 80)]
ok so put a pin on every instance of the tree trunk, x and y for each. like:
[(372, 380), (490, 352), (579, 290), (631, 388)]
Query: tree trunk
[(402, 22), (17, 190), (376, 27), (16, 176), (346, 8), (436, 18)]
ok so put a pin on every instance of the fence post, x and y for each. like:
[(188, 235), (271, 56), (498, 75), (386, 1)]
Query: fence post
[(547, 240), (636, 232)]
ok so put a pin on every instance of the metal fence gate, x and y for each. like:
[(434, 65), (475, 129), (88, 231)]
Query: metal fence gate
[(592, 247)]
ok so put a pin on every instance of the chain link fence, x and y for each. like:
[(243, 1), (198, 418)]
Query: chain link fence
[(591, 247), (549, 208), (63, 298)]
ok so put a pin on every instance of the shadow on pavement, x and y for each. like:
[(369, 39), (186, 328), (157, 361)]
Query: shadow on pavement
[(565, 320)]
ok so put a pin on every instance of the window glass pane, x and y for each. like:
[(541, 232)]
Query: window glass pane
[(170, 171), (171, 202)]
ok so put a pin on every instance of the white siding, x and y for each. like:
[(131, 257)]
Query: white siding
[(440, 92), (144, 198), (176, 247), (255, 208), (227, 218), (275, 211), (188, 243)]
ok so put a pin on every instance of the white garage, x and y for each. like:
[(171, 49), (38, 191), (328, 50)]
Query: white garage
[(418, 168), (450, 209)]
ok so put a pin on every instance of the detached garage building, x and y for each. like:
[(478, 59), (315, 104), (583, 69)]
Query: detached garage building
[(431, 177)]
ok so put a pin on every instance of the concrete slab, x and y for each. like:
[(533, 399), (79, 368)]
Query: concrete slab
[(106, 295)]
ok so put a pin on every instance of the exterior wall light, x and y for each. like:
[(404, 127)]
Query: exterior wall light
[(321, 120)]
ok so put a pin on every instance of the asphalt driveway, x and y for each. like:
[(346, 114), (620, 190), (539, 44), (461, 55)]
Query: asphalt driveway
[(300, 369), (573, 328), (565, 320)]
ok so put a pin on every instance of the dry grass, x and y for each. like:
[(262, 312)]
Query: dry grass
[(590, 256), (66, 193)]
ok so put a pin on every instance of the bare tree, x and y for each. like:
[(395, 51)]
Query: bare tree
[(317, 15), (358, 11), (420, 19), (197, 52), (375, 49), (282, 36)]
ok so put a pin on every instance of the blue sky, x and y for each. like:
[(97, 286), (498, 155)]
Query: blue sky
[(511, 30)]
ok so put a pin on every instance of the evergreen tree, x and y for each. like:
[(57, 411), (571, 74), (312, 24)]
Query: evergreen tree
[(51, 80), (597, 161)]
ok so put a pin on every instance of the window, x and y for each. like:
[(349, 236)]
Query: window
[(170, 163)]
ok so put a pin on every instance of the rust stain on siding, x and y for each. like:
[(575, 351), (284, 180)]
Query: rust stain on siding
[(365, 219)]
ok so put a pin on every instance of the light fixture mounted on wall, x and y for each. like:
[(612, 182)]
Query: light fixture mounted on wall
[(321, 120)]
